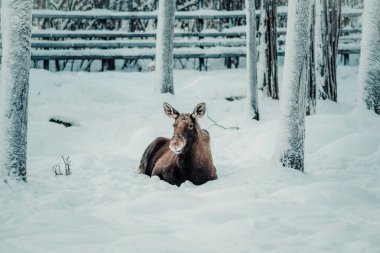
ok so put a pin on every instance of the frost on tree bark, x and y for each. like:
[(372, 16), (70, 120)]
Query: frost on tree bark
[(164, 47), (252, 60), (369, 68), (311, 88), (291, 136), (327, 25), (267, 67), (16, 20)]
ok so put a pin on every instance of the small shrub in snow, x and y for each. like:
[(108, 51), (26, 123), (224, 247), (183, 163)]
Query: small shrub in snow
[(57, 167), (67, 163)]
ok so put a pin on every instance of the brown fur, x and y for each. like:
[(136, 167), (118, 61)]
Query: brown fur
[(194, 163)]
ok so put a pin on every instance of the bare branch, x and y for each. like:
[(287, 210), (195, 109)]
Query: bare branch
[(218, 125)]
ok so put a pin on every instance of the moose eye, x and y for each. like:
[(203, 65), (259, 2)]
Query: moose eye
[(191, 126)]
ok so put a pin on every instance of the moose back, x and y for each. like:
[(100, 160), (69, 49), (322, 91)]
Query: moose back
[(186, 156)]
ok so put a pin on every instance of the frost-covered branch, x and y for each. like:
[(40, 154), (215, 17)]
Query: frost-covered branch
[(187, 5), (57, 5)]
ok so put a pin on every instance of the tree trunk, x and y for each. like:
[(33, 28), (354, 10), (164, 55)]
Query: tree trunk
[(267, 74), (108, 65), (291, 136), (164, 50), (369, 68), (311, 89), (252, 95), (328, 20), (16, 22)]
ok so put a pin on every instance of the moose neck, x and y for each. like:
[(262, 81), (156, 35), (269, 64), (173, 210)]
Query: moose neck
[(186, 159)]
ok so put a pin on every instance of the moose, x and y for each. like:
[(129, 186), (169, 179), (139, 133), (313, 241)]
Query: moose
[(186, 156)]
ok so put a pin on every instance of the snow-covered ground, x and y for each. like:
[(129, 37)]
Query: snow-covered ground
[(254, 206)]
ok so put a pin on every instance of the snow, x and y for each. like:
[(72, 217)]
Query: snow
[(254, 206)]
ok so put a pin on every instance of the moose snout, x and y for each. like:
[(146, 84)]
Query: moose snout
[(177, 143)]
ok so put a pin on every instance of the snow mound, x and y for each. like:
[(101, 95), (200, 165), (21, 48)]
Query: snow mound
[(361, 144)]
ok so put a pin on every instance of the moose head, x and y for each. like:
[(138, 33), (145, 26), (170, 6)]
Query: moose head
[(186, 127)]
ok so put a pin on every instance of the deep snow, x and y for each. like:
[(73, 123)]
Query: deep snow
[(254, 206)]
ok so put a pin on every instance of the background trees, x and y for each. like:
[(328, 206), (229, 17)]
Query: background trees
[(327, 20), (267, 76), (16, 20), (369, 69)]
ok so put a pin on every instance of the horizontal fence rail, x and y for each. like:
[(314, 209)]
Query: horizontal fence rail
[(149, 53), (50, 34)]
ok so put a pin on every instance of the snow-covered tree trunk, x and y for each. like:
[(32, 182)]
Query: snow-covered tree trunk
[(267, 67), (252, 95), (164, 47), (327, 26), (16, 21), (369, 68), (291, 135)]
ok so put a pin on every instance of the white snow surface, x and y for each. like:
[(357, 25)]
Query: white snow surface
[(254, 206)]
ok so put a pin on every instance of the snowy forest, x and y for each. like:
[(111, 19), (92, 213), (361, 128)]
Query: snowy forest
[(190, 126)]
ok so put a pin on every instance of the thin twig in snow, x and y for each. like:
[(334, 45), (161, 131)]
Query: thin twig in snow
[(218, 125)]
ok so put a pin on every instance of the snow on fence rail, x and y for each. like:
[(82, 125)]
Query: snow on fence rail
[(149, 53), (132, 54), (198, 14), (112, 45)]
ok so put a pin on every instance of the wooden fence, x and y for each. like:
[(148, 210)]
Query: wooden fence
[(89, 45)]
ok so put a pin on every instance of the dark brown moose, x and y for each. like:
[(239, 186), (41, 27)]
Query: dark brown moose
[(186, 156)]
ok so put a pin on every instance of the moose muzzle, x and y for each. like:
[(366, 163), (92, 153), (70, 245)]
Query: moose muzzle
[(177, 143)]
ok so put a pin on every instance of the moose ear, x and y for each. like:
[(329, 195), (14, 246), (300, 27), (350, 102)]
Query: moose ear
[(199, 110), (170, 111)]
